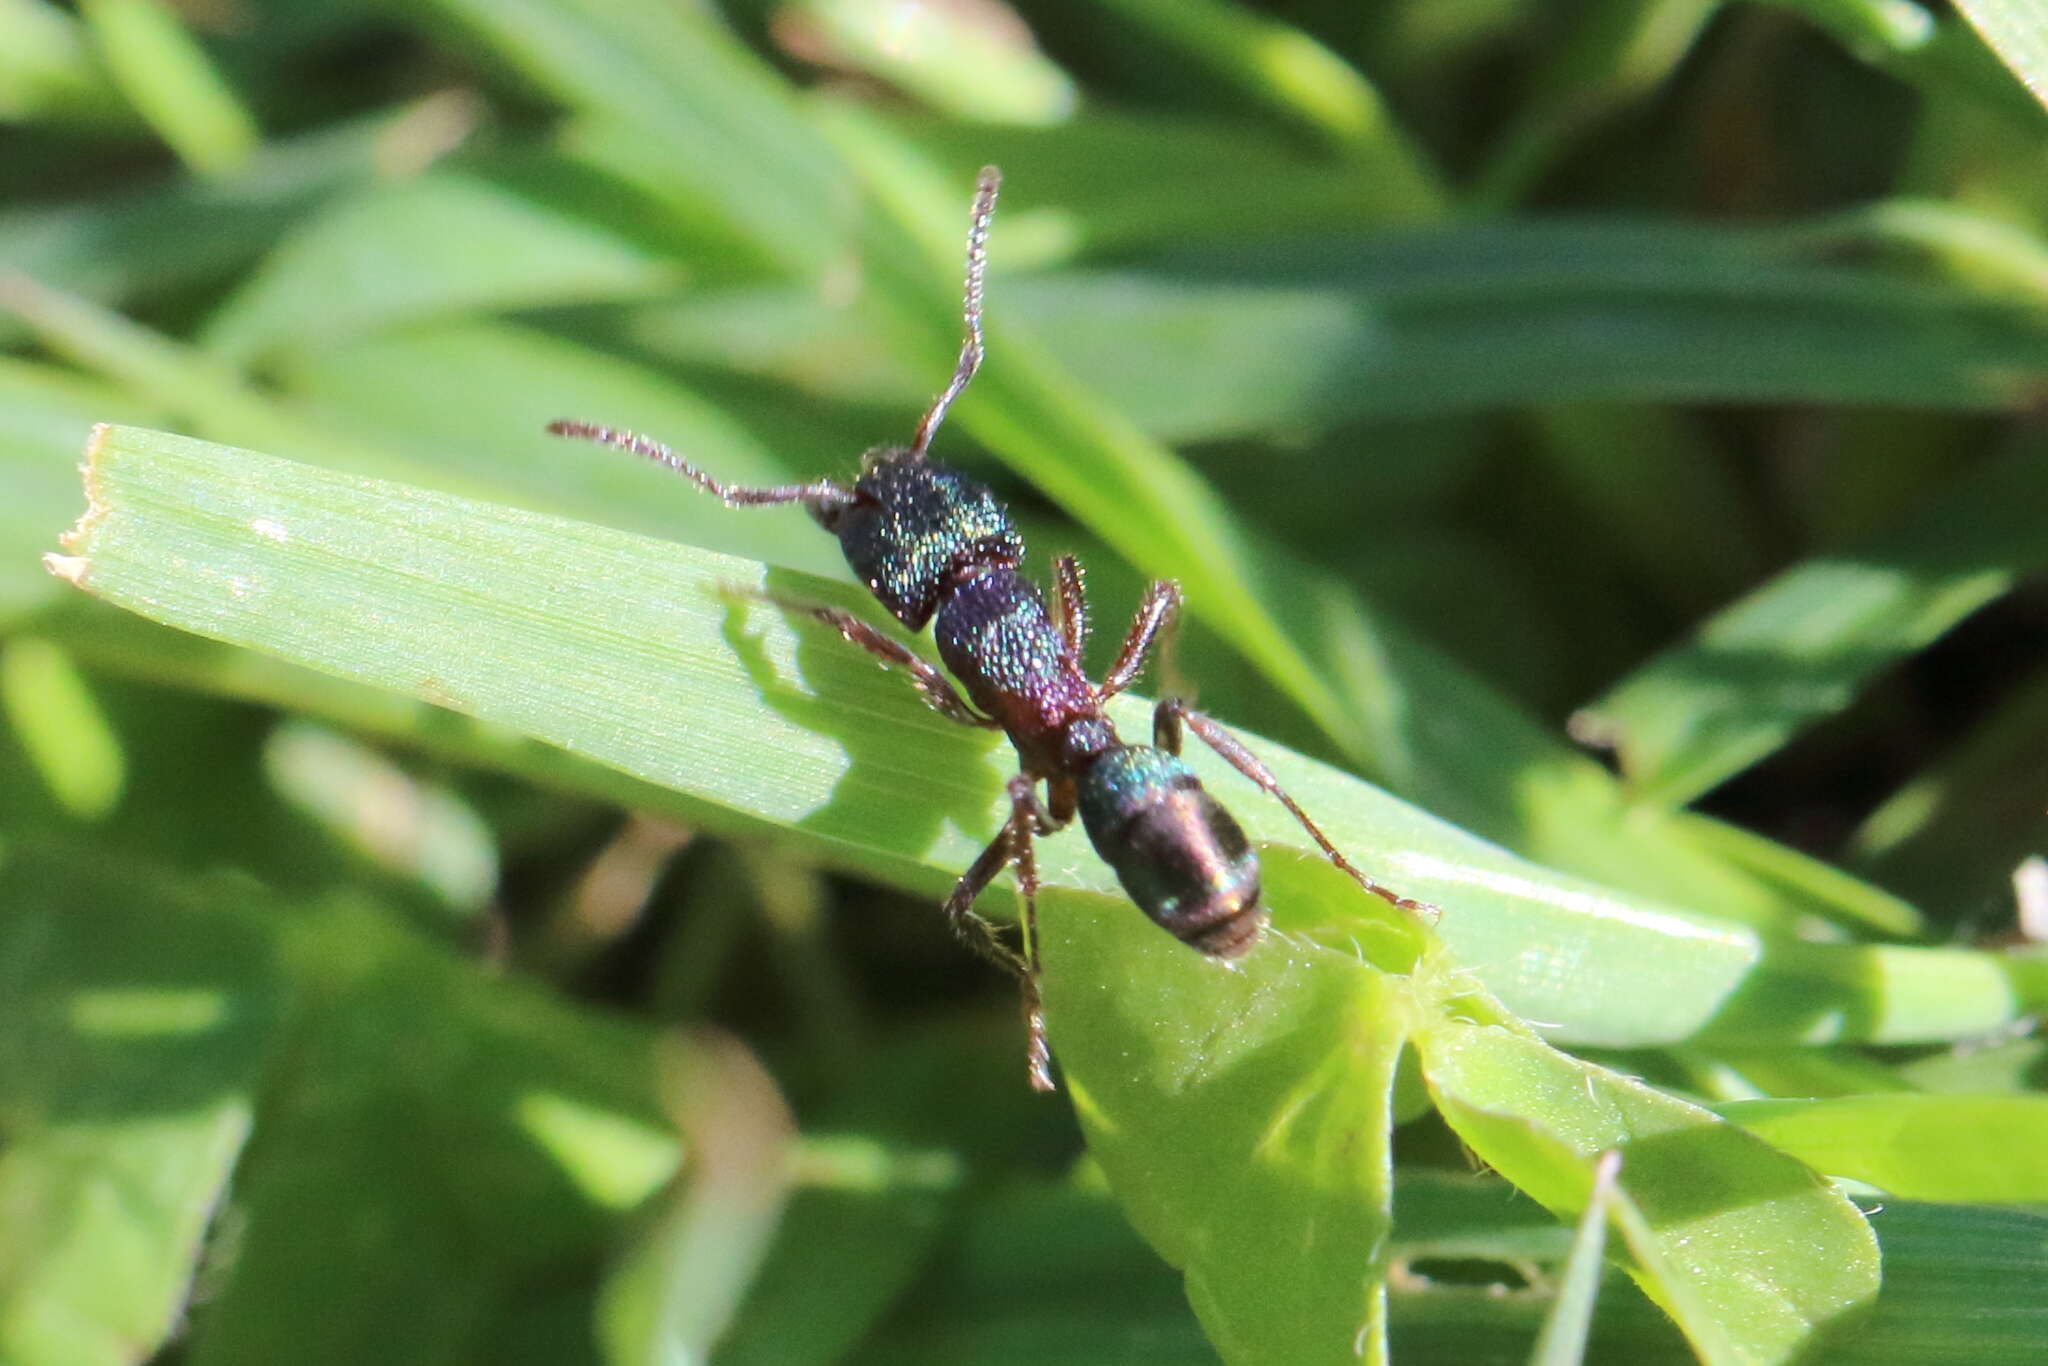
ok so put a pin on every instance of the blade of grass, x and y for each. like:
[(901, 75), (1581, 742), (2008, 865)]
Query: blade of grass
[(1958, 1148), (1569, 1323), (1401, 712), (1939, 56), (1124, 180), (721, 123), (47, 70), (1470, 316), (1799, 648), (1456, 318), (61, 726), (625, 651), (138, 245), (458, 1138), (1550, 803), (1659, 495), (699, 98), (1290, 73), (445, 243), (2017, 31), (675, 1292), (42, 411), (526, 378), (1613, 55), (169, 79), (422, 391)]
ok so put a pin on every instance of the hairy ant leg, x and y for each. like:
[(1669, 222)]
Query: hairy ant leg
[(1012, 847), (1156, 618), (1167, 720), (1070, 604), (931, 685)]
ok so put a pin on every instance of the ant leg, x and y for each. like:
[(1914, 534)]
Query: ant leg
[(1071, 603), (819, 493), (1156, 614), (1167, 719), (1027, 819), (931, 685), (1011, 846)]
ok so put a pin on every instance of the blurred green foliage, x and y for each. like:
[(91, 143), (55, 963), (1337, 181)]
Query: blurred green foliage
[(1660, 374)]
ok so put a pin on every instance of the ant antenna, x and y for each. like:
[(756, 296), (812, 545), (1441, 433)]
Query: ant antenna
[(819, 494), (985, 189)]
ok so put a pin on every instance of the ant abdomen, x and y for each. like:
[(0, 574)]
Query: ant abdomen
[(1180, 856)]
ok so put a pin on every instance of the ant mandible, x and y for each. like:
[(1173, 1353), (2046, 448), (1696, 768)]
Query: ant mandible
[(935, 546)]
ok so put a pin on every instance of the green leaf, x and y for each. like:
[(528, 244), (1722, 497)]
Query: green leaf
[(1447, 319), (166, 75), (632, 653), (1240, 1107), (1750, 1252), (719, 122), (136, 1020), (1289, 72), (1983, 1149), (138, 245), (436, 1148)]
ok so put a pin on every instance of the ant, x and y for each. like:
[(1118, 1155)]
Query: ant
[(934, 546)]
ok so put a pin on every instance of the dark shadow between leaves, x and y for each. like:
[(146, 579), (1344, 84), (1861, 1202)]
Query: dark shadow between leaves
[(122, 995), (1684, 1175)]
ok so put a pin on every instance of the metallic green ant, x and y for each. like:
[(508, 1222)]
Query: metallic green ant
[(935, 546)]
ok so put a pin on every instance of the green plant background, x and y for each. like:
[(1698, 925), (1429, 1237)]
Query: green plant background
[(476, 937)]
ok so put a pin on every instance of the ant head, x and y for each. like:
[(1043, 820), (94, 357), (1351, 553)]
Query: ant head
[(874, 457), (914, 526)]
